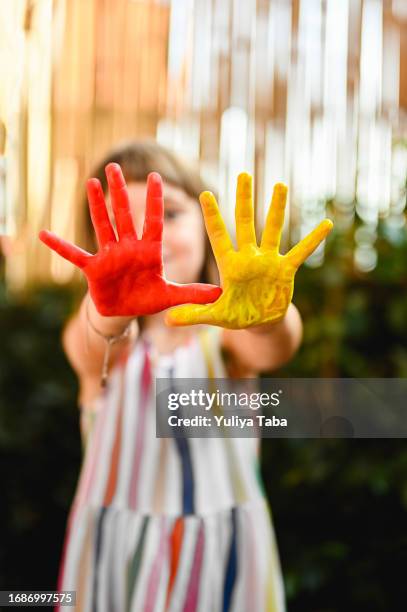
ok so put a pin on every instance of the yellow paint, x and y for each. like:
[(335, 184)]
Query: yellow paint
[(257, 281)]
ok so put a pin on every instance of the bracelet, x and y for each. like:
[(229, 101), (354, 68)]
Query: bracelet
[(110, 340)]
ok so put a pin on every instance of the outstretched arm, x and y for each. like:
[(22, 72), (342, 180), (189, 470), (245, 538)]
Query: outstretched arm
[(85, 349), (266, 347), (125, 277)]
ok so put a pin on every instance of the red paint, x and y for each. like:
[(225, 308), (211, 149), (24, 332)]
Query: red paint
[(126, 277)]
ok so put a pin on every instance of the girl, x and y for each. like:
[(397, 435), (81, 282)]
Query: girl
[(172, 523)]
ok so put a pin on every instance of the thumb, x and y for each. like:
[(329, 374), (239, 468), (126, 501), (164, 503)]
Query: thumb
[(194, 293), (189, 314)]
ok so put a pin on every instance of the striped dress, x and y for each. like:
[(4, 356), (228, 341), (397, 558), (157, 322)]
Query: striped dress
[(167, 524)]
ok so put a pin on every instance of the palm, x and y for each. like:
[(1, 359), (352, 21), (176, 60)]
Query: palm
[(257, 281), (257, 288), (125, 276), (128, 272)]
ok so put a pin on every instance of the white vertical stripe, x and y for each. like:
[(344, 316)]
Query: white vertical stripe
[(103, 459), (130, 410), (149, 459), (73, 552)]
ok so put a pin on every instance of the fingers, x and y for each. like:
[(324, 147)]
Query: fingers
[(245, 232), (299, 253), (68, 251), (275, 218), (189, 315), (153, 222), (120, 201), (215, 226), (99, 214)]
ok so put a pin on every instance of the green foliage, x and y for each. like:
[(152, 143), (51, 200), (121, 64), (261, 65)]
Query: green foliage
[(355, 325), (340, 509), (340, 506), (39, 438)]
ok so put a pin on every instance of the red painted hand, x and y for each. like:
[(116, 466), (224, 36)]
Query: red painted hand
[(125, 276)]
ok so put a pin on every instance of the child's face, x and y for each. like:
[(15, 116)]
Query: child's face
[(183, 234)]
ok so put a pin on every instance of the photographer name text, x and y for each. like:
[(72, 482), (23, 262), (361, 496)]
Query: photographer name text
[(258, 420)]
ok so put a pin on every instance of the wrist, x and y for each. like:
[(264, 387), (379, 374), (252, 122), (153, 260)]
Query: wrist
[(110, 332), (270, 327), (105, 326)]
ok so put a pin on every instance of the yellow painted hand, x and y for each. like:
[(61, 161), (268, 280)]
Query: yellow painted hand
[(257, 281)]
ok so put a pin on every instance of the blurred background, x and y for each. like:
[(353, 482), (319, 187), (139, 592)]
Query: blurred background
[(310, 92)]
